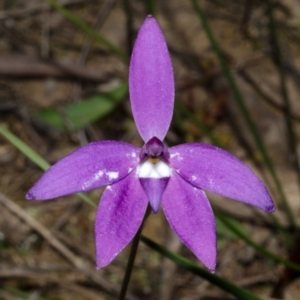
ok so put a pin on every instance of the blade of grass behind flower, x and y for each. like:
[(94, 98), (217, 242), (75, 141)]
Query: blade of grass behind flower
[(238, 231), (151, 10), (179, 106), (277, 59), (20, 294), (87, 29), (190, 266), (244, 110), (35, 157)]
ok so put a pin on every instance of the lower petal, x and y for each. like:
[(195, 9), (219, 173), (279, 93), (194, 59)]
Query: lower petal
[(154, 189), (119, 216), (189, 213)]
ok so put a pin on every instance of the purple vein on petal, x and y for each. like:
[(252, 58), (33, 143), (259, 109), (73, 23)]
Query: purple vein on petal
[(151, 82), (92, 166), (120, 213), (218, 171), (189, 213)]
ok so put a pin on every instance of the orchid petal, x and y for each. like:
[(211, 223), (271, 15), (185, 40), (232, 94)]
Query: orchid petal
[(218, 171), (92, 166), (119, 216), (154, 188), (151, 82), (189, 213)]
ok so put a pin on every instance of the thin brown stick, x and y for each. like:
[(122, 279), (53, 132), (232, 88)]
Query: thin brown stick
[(265, 97), (76, 261), (31, 272), (25, 12), (23, 67)]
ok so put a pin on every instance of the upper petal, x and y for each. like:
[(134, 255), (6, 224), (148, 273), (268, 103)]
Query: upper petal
[(120, 213), (89, 167), (151, 82), (189, 213), (218, 171)]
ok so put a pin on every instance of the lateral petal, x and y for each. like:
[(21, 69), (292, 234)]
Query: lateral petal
[(91, 166), (151, 82), (120, 213), (218, 171), (189, 213)]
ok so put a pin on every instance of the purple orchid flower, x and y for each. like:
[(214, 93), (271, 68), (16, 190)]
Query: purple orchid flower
[(173, 177)]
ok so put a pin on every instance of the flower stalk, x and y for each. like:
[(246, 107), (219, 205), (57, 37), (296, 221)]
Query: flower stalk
[(132, 255)]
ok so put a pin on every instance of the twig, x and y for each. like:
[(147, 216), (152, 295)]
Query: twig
[(26, 12), (278, 61), (264, 96), (76, 261), (31, 272), (24, 67), (257, 279)]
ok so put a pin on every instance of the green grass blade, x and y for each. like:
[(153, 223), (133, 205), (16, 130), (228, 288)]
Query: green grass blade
[(20, 294), (35, 157), (190, 266), (87, 29), (26, 150), (240, 232), (278, 61), (179, 106), (243, 109), (151, 7)]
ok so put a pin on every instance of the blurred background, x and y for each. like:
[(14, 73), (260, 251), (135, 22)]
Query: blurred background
[(63, 83)]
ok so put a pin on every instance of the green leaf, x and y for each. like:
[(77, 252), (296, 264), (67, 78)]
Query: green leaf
[(223, 230), (190, 266), (77, 115)]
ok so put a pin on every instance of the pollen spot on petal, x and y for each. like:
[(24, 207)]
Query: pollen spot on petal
[(112, 175), (193, 178), (90, 182), (98, 175), (176, 155)]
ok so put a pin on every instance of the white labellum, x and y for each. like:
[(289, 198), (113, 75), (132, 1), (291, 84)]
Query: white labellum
[(157, 169)]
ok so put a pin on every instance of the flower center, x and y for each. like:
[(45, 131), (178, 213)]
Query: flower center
[(153, 168), (154, 157), (153, 171), (154, 149)]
